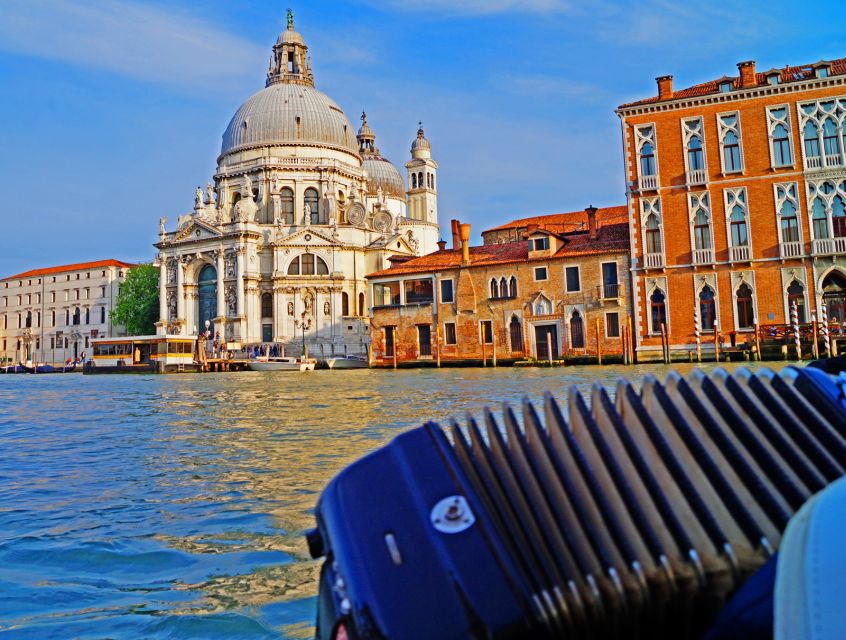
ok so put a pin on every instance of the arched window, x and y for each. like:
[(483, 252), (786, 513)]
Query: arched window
[(28, 322), (731, 152), (789, 222), (577, 331), (361, 304), (503, 288), (432, 176), (266, 305), (308, 264), (413, 180), (701, 230), (739, 235), (781, 146), (494, 288), (420, 179), (515, 332), (745, 311), (838, 217), (812, 144), (312, 202), (76, 316), (658, 310), (236, 196), (342, 208), (707, 309), (796, 295), (653, 234), (512, 287), (694, 154), (831, 145), (819, 218), (286, 206), (345, 303), (834, 295), (647, 160)]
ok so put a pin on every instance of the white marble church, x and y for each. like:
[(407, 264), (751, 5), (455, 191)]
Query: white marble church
[(301, 209)]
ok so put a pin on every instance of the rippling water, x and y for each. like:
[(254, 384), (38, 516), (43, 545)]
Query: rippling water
[(174, 506)]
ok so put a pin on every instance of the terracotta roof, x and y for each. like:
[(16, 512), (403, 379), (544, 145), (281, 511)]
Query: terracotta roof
[(562, 223), (99, 264), (613, 238), (786, 74)]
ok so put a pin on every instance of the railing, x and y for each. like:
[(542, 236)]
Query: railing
[(653, 260), (833, 160), (703, 256), (813, 162), (609, 290), (828, 246), (648, 182), (741, 253), (792, 249), (697, 176)]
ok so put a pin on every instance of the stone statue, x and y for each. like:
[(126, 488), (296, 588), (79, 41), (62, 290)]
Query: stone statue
[(231, 301), (171, 272), (306, 214), (230, 265), (380, 196), (248, 186), (326, 308), (308, 303), (162, 223), (209, 194), (171, 306), (290, 308), (198, 198)]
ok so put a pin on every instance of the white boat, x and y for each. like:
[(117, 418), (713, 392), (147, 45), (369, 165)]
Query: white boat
[(281, 364), (348, 362)]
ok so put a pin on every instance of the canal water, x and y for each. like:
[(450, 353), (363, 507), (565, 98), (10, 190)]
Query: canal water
[(174, 506)]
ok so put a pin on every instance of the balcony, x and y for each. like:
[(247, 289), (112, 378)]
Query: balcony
[(648, 183), (697, 177), (792, 249), (653, 260), (703, 256), (828, 246), (608, 292), (833, 160), (742, 253), (813, 162)]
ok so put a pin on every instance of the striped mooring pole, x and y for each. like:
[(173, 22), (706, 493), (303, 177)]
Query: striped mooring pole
[(824, 329), (794, 319), (698, 337)]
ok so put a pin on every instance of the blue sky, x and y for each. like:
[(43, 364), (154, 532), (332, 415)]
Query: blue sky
[(112, 111)]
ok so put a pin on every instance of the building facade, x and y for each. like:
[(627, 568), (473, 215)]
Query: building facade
[(300, 210), (540, 296), (737, 202), (49, 315)]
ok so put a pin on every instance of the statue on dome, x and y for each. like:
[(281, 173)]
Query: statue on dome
[(162, 223), (209, 194), (248, 186), (290, 19)]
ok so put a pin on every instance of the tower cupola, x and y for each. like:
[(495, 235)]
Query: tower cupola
[(289, 61), (366, 137)]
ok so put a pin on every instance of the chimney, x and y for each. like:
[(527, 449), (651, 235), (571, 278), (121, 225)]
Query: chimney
[(441, 245), (593, 231), (747, 73), (465, 243), (456, 243), (665, 87), (531, 227)]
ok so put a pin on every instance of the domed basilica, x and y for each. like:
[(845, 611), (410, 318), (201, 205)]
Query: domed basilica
[(301, 209)]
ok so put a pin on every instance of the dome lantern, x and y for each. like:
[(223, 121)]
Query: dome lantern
[(366, 138), (289, 62)]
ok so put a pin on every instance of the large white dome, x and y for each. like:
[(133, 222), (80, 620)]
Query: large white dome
[(289, 114)]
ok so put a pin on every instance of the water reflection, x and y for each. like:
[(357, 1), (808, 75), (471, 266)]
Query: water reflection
[(174, 506)]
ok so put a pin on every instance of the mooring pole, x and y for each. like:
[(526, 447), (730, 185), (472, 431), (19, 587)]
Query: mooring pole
[(438, 343), (549, 347), (396, 346), (598, 344)]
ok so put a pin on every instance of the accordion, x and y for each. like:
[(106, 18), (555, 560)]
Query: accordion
[(632, 516)]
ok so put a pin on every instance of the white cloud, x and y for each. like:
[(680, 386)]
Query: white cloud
[(474, 7), (130, 39)]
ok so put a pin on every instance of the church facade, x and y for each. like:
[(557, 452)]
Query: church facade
[(301, 208)]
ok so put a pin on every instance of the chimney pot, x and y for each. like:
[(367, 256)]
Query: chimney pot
[(747, 73), (442, 245), (593, 230), (465, 243), (665, 87)]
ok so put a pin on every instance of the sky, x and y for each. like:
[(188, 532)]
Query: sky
[(112, 111)]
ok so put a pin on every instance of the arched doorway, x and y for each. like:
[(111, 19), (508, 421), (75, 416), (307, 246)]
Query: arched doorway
[(577, 331), (834, 295), (207, 296), (515, 330)]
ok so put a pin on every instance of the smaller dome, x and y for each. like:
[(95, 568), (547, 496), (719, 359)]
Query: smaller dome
[(420, 142), (382, 173), (289, 36)]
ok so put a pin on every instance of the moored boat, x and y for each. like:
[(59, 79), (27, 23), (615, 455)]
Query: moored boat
[(281, 364), (348, 362)]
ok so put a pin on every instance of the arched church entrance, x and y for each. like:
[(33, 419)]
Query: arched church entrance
[(834, 295), (207, 295)]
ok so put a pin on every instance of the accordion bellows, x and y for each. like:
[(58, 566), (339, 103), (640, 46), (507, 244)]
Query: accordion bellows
[(634, 517)]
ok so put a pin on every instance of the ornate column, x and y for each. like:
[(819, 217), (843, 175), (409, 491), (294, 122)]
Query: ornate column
[(221, 299), (180, 289), (163, 290), (239, 279)]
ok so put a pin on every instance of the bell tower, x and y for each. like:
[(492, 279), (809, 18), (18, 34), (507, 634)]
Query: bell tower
[(422, 181)]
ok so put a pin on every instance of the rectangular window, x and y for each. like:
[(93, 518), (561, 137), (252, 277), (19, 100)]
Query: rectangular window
[(418, 291), (540, 274), (102, 315), (487, 331), (52, 343), (572, 279), (449, 333), (386, 294), (103, 292), (52, 296), (446, 292), (612, 325), (539, 244)]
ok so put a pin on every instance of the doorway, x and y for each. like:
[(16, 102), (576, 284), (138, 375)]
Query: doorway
[(424, 339), (207, 294), (542, 342)]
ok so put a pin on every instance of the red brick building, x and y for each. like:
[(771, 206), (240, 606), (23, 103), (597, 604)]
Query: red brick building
[(737, 202), (516, 297)]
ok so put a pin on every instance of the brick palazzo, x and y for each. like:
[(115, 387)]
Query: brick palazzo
[(737, 202), (535, 282)]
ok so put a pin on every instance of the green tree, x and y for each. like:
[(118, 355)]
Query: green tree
[(137, 306)]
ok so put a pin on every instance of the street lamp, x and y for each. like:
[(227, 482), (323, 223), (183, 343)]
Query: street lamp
[(302, 324)]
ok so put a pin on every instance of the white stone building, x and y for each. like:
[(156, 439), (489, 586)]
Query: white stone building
[(301, 209), (51, 314)]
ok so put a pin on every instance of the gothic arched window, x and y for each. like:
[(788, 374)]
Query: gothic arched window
[(739, 234), (745, 312), (796, 295), (812, 143), (647, 160), (831, 144), (694, 154), (658, 310), (503, 288), (838, 217), (515, 332), (819, 219), (653, 234), (577, 331), (494, 288), (707, 309), (701, 230), (789, 222), (512, 287)]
